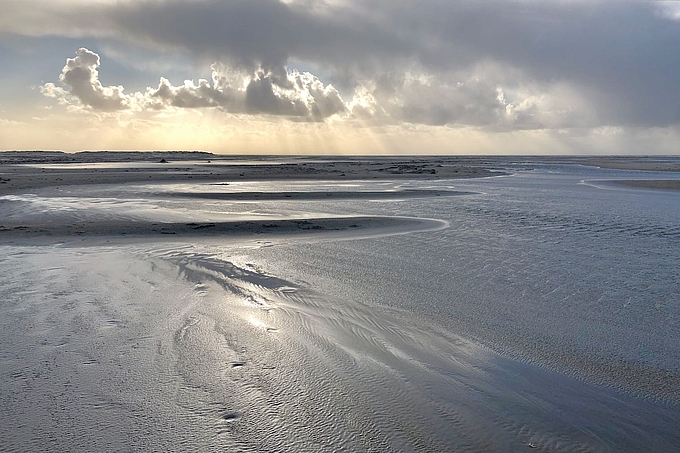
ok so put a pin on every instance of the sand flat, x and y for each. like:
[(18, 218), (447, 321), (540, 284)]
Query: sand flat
[(669, 184), (16, 176)]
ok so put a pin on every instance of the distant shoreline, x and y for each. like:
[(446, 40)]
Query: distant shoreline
[(666, 184)]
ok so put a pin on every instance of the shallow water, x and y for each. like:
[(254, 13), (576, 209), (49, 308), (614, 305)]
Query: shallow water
[(544, 318)]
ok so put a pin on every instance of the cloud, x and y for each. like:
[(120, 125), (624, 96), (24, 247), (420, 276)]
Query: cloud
[(6, 122), (294, 94), (620, 55), (81, 76), (668, 9), (486, 96), (297, 95)]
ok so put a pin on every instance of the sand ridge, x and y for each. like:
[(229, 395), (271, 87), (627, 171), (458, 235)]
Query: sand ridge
[(315, 196), (49, 232)]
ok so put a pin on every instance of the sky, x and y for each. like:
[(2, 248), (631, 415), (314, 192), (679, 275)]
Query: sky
[(341, 76)]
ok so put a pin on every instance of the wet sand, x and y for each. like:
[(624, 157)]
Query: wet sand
[(51, 231), (45, 171), (150, 335)]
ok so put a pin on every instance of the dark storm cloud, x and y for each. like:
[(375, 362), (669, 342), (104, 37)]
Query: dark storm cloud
[(620, 55), (265, 32)]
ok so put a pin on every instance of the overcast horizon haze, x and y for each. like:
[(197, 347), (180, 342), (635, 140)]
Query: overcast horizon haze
[(341, 76)]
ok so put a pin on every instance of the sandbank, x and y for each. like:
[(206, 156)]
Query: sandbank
[(667, 184), (23, 171), (315, 196), (120, 229)]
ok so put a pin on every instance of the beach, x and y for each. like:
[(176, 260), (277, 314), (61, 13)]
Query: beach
[(189, 302)]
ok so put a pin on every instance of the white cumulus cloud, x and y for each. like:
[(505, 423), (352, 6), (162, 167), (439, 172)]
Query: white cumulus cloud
[(295, 94), (81, 76)]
